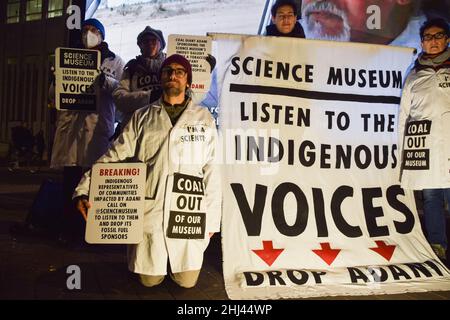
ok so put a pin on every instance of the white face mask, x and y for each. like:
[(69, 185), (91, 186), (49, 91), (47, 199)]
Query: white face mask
[(91, 40)]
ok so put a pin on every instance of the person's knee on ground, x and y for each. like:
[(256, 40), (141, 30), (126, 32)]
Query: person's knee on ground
[(185, 279), (150, 281)]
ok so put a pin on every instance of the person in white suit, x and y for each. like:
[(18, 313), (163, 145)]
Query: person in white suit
[(81, 137), (173, 136), (140, 83), (424, 130)]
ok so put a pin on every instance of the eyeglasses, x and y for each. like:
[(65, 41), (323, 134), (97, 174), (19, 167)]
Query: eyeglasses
[(437, 36), (179, 72)]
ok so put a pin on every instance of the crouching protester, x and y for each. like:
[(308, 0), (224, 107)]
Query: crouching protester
[(173, 137)]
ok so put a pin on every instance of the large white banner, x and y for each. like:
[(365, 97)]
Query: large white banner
[(312, 204)]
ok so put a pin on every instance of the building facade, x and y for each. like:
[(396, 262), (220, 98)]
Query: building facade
[(31, 30)]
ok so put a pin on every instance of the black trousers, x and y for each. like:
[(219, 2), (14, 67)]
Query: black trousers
[(73, 224)]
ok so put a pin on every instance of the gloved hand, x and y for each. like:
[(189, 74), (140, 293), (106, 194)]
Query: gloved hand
[(101, 79), (82, 205), (211, 60), (117, 132)]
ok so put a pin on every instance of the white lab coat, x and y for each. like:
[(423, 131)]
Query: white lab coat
[(150, 137), (426, 96), (82, 137), (136, 86)]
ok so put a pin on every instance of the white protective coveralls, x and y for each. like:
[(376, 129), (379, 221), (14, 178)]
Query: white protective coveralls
[(81, 137), (150, 137), (426, 96)]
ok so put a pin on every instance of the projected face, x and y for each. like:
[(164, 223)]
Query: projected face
[(285, 19), (349, 20)]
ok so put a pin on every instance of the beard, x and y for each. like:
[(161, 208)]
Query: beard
[(315, 30), (172, 91)]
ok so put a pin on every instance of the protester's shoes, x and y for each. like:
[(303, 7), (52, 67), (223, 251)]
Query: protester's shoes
[(439, 250)]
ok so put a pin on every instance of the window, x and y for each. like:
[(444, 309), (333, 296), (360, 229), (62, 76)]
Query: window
[(34, 10), (11, 99), (13, 11), (55, 8), (29, 87)]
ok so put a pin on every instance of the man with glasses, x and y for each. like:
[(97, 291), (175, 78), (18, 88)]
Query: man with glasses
[(140, 83), (424, 130), (174, 137), (284, 20)]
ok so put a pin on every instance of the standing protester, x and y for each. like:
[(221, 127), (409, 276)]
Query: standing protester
[(83, 136), (161, 135), (426, 98), (140, 84), (284, 20)]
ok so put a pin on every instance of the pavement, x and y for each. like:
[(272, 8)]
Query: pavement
[(34, 266)]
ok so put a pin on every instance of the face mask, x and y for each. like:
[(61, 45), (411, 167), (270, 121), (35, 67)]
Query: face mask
[(91, 40)]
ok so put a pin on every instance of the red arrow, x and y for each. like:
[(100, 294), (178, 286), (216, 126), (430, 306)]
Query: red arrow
[(386, 251), (326, 253), (268, 254)]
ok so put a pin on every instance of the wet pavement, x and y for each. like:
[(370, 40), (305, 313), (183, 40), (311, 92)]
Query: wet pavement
[(33, 265)]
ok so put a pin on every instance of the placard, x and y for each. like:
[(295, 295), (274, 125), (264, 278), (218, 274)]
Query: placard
[(187, 218), (117, 195), (197, 49), (75, 72)]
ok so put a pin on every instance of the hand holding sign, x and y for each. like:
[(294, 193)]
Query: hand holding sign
[(82, 205)]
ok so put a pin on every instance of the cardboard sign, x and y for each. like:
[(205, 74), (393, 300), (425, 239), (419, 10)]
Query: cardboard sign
[(75, 72), (196, 49), (117, 195), (187, 217)]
